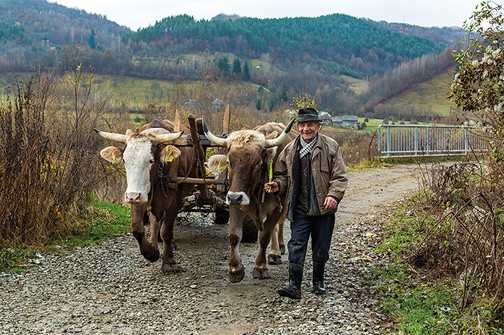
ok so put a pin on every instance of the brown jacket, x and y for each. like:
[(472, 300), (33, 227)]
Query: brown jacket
[(328, 170)]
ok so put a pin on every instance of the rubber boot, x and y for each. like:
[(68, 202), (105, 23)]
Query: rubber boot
[(318, 278), (293, 290)]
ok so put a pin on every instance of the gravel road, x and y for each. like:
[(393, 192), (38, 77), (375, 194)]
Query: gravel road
[(111, 289)]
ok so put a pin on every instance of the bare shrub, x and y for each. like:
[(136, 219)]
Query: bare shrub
[(451, 184), (467, 237), (478, 222), (357, 146), (48, 162)]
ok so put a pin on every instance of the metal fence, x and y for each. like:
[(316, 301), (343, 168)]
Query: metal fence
[(402, 140)]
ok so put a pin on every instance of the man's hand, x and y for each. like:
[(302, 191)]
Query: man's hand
[(330, 203), (271, 187)]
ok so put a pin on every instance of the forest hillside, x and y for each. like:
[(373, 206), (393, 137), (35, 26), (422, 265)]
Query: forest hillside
[(281, 57)]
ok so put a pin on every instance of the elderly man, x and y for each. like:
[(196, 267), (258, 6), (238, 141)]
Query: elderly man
[(312, 171)]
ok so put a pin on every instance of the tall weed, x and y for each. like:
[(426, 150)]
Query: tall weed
[(463, 235), (48, 160)]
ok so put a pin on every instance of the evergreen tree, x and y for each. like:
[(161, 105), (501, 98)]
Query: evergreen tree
[(92, 41), (246, 72), (223, 64), (237, 66), (283, 93), (258, 104)]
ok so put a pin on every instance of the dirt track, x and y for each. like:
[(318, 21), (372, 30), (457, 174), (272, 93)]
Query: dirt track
[(111, 289)]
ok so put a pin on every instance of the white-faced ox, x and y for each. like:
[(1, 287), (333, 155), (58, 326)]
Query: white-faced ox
[(249, 157), (150, 162)]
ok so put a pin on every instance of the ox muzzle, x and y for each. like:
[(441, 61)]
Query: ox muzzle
[(237, 198), (135, 198)]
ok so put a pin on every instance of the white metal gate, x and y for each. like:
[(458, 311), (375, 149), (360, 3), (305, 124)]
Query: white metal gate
[(405, 140)]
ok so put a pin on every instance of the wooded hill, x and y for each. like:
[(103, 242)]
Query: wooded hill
[(342, 43), (285, 56)]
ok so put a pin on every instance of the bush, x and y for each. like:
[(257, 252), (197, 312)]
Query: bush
[(455, 232), (357, 146), (48, 161)]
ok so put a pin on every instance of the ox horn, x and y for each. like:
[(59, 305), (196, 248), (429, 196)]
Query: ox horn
[(211, 137), (162, 138), (112, 136), (280, 138), (161, 135)]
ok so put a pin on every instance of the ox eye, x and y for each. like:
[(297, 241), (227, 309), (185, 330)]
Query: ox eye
[(151, 161)]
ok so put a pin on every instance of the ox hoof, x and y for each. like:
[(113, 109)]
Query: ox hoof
[(236, 276), (274, 259), (261, 273), (282, 249), (152, 256), (171, 268)]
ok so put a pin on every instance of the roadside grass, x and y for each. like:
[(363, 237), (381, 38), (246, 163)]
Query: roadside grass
[(420, 159), (16, 259), (101, 221), (419, 300), (416, 306)]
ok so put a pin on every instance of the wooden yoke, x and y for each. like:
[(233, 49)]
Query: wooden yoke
[(200, 155)]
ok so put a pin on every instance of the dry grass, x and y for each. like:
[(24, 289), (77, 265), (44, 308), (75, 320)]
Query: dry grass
[(48, 163), (466, 237), (357, 146)]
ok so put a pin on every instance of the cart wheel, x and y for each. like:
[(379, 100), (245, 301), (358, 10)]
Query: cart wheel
[(250, 232), (221, 216)]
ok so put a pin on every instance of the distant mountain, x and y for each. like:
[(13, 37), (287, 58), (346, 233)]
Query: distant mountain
[(283, 57), (349, 45), (444, 35), (337, 42), (45, 22)]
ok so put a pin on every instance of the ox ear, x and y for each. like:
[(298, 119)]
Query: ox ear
[(169, 154), (112, 154), (217, 164)]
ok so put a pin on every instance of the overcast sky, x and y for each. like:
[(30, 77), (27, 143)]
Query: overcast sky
[(140, 14)]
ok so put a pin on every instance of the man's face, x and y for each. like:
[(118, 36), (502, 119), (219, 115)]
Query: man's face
[(308, 130)]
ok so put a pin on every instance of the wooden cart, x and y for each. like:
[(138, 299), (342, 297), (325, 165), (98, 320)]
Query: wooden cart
[(209, 193)]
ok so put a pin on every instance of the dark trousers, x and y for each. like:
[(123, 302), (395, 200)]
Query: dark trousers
[(320, 228)]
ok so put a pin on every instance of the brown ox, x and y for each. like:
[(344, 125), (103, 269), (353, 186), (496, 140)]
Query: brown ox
[(149, 163), (277, 249), (249, 157)]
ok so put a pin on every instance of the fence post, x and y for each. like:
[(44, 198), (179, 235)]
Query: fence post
[(416, 141), (379, 138), (466, 140), (389, 141)]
